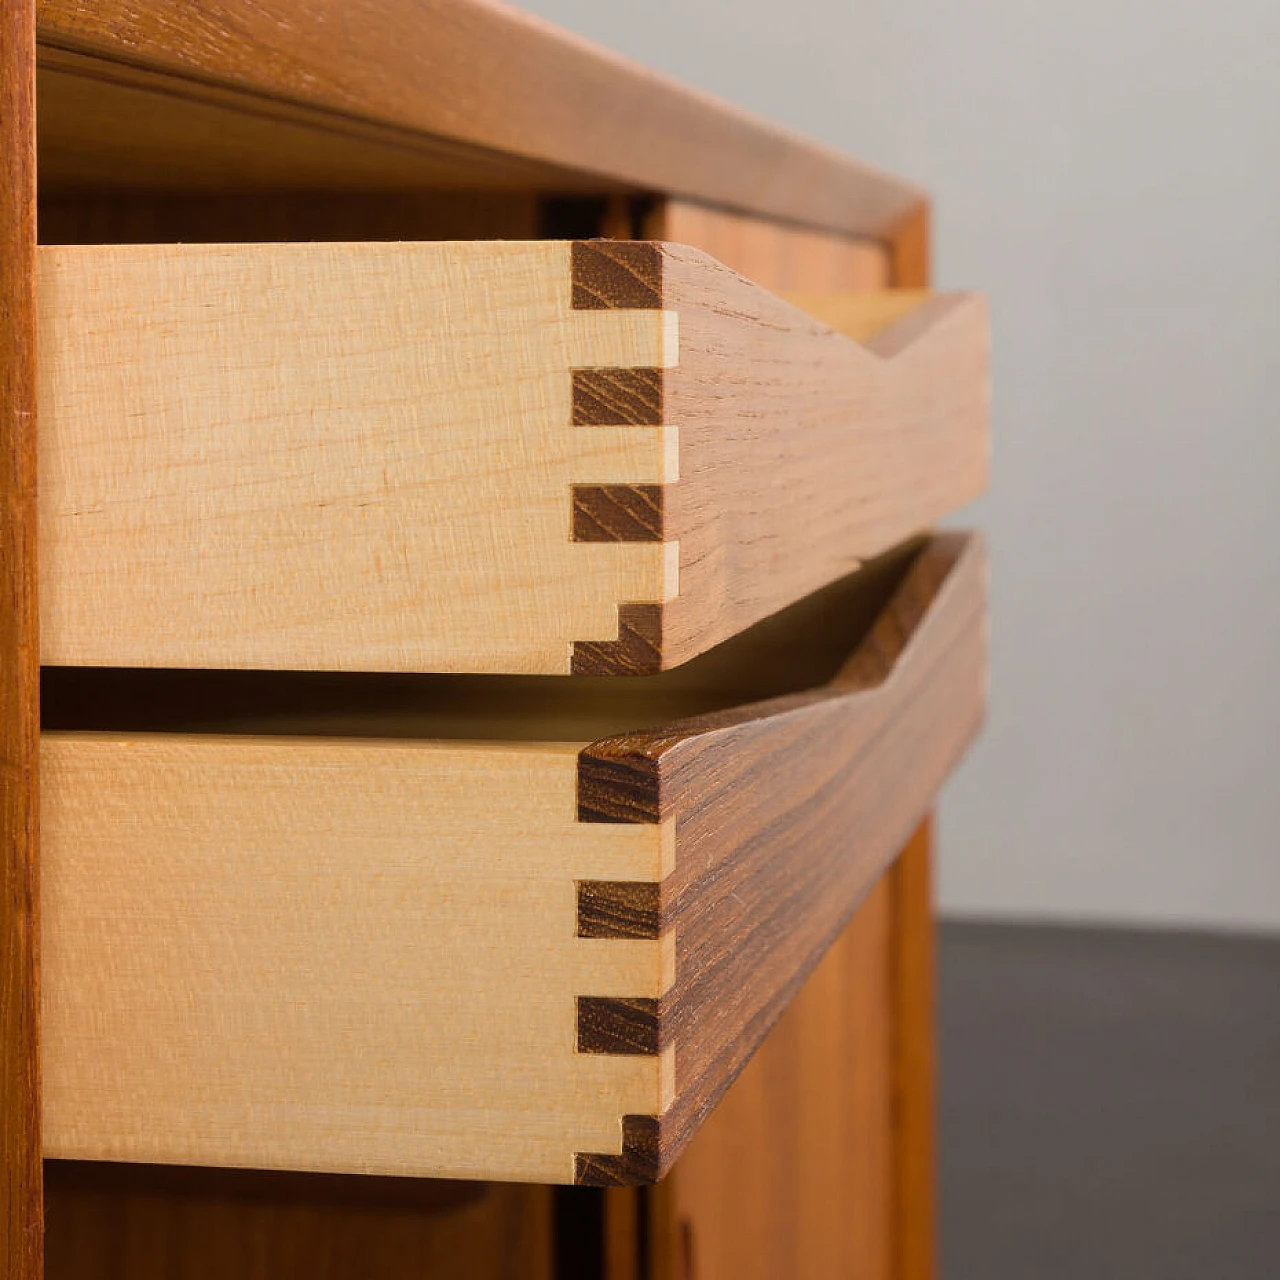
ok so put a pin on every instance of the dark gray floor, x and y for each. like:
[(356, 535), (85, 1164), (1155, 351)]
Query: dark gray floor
[(1110, 1105)]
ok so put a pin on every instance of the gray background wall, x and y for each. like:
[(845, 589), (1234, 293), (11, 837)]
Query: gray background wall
[(1107, 171)]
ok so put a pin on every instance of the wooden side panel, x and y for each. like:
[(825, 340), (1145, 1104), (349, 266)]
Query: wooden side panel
[(910, 885), (792, 1174), (914, 933), (332, 955), (781, 258), (20, 1144), (145, 1222), (333, 457)]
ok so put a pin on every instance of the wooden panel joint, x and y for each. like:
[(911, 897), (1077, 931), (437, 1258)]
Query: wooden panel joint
[(612, 1024), (638, 1162), (617, 397), (619, 909), (616, 275), (612, 275)]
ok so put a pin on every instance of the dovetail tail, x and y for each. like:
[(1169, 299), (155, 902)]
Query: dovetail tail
[(622, 397), (618, 788), (636, 652), (619, 909), (640, 1161), (611, 275), (616, 275), (614, 1024), (617, 512)]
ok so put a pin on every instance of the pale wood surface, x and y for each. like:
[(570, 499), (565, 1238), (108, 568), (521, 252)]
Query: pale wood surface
[(20, 1200), (468, 86), (782, 258), (332, 955), (364, 457), (860, 316), (331, 457)]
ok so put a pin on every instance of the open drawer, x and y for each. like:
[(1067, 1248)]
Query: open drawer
[(594, 457), (397, 939)]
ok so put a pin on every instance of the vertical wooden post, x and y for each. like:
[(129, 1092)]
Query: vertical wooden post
[(911, 879), (914, 1120), (21, 1211)]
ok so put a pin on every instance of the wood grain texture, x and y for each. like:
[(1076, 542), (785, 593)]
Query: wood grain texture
[(339, 955), (458, 81), (915, 1029), (910, 883), (377, 475), (617, 397), (784, 259), (148, 1222), (618, 513), (103, 123), (611, 275), (910, 243), (611, 1024), (860, 316), (20, 1141), (271, 946), (785, 815), (873, 442), (377, 460), (793, 1173)]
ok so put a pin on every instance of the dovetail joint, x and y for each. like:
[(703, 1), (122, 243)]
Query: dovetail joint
[(640, 1161), (611, 275)]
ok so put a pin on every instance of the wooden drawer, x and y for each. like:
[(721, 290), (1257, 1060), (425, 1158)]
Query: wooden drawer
[(398, 939), (546, 457)]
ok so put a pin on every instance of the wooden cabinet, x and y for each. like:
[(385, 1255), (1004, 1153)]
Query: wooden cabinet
[(472, 500)]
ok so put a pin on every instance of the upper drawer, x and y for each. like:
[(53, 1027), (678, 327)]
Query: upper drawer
[(548, 457)]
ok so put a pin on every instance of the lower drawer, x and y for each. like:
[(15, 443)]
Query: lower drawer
[(395, 938)]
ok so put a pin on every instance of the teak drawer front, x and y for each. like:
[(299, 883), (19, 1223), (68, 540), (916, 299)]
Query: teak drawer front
[(542, 961), (547, 457)]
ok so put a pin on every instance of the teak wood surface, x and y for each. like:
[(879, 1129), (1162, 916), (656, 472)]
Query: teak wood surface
[(466, 92), (20, 1141), (847, 1073), (793, 1173), (265, 951), (777, 836), (150, 1222), (534, 457), (783, 259)]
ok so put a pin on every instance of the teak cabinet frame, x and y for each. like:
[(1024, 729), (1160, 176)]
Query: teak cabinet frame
[(21, 1207), (853, 203)]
